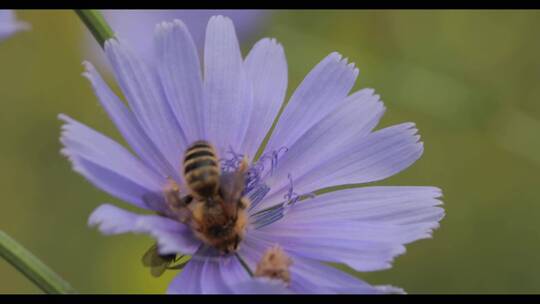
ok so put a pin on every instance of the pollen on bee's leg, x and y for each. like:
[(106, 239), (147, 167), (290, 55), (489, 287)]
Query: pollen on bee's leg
[(244, 165), (274, 264), (176, 204), (171, 191)]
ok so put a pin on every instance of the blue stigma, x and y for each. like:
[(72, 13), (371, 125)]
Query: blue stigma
[(256, 189)]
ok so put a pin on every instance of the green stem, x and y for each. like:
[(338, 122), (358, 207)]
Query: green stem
[(35, 270), (96, 24)]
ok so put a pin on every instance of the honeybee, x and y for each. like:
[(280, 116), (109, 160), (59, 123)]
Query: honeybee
[(159, 263), (215, 207)]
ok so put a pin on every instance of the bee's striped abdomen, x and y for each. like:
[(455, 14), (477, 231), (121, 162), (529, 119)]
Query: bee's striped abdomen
[(201, 169)]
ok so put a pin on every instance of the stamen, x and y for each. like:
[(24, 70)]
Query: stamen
[(292, 197), (256, 190), (231, 164), (257, 194), (267, 216), (255, 172), (273, 157)]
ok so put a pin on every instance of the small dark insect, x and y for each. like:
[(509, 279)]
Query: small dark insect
[(159, 263)]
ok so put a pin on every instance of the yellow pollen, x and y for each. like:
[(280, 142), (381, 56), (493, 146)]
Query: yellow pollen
[(274, 264)]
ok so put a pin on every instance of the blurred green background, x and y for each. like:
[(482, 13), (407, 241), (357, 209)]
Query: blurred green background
[(469, 79)]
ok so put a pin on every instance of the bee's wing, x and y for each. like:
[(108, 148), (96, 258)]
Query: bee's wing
[(157, 271), (155, 201), (152, 258), (232, 186), (179, 265), (165, 264), (157, 263)]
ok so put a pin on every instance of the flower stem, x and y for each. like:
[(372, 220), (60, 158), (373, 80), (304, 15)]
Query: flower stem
[(96, 24), (35, 270)]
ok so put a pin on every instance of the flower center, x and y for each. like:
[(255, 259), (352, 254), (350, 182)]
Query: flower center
[(220, 220)]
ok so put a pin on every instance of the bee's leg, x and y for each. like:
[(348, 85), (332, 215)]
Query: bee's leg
[(244, 203), (186, 200), (178, 257), (184, 210), (171, 192), (244, 165), (236, 242), (177, 204)]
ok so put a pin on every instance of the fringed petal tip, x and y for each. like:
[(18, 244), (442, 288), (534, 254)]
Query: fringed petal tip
[(270, 41), (372, 96), (438, 193), (219, 22), (344, 62), (89, 71), (166, 26), (65, 133), (110, 219), (386, 260), (220, 19), (65, 118)]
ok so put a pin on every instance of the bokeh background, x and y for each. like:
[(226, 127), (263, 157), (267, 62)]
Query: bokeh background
[(470, 80)]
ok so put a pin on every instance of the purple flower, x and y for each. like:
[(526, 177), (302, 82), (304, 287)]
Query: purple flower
[(9, 25), (325, 137)]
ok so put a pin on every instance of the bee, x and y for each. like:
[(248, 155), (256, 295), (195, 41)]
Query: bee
[(215, 207), (159, 263)]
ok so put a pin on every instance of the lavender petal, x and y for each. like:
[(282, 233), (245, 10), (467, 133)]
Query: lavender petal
[(209, 276), (391, 205), (180, 73), (323, 90), (228, 99), (9, 24), (172, 236), (371, 158), (106, 164), (127, 124), (364, 246), (266, 67), (147, 101), (311, 276), (333, 135)]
